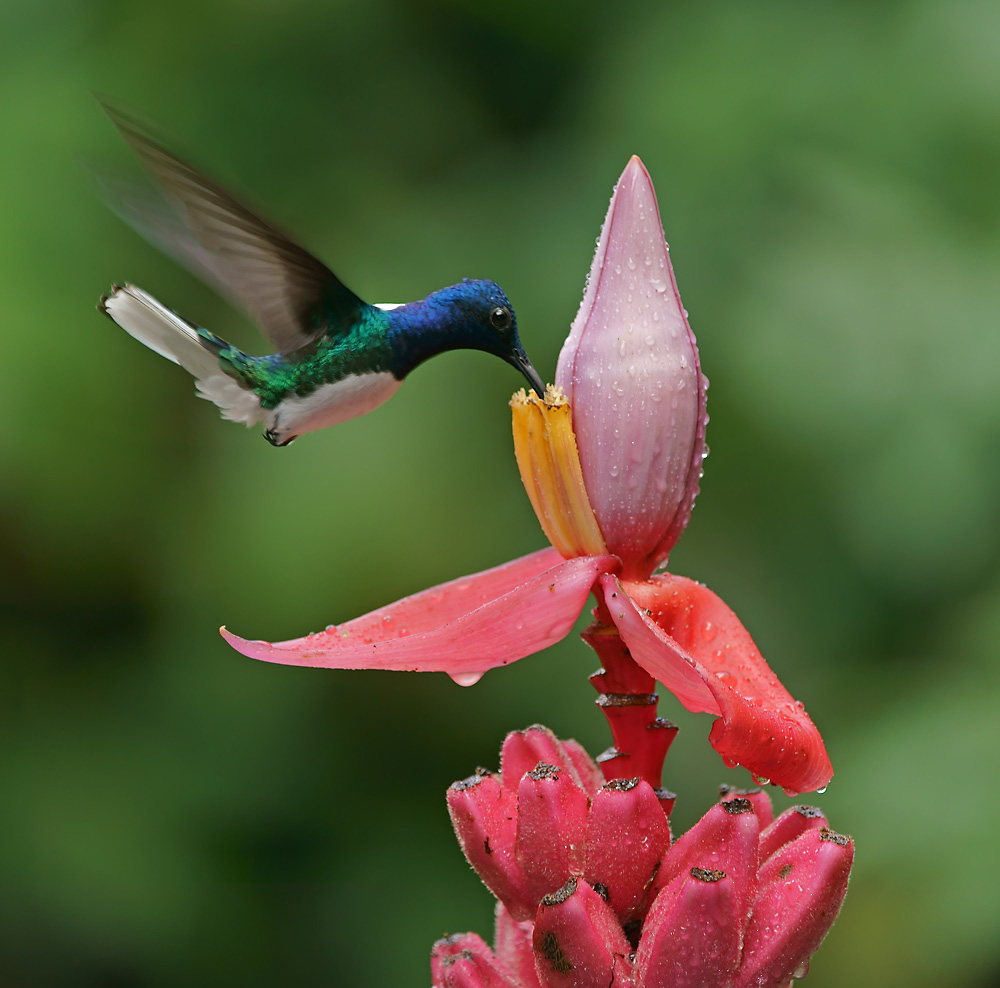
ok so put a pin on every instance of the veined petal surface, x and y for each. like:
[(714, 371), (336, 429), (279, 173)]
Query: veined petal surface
[(684, 635), (463, 628), (630, 370)]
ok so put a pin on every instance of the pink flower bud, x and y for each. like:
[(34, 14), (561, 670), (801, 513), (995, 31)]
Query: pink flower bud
[(693, 934), (802, 887), (630, 371), (464, 961), (627, 835), (484, 815), (578, 941), (759, 800), (523, 750), (587, 772), (794, 821), (551, 828), (725, 839), (593, 892)]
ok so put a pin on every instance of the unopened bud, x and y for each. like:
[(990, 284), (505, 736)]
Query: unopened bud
[(627, 835), (464, 961), (801, 889), (551, 828), (578, 940), (693, 933), (484, 815)]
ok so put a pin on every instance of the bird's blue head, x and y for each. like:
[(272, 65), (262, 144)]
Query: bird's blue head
[(473, 315)]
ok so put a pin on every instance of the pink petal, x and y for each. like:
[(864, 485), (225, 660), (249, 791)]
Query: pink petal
[(684, 635), (630, 370), (463, 627)]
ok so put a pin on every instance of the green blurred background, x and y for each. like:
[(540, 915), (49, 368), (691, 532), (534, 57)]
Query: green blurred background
[(176, 814)]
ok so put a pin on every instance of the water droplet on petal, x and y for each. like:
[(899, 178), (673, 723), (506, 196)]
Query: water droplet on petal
[(466, 678)]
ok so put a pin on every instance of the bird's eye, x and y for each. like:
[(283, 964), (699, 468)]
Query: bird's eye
[(500, 317)]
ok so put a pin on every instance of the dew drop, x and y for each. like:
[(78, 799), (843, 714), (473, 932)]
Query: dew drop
[(466, 678), (631, 264), (614, 471), (708, 631)]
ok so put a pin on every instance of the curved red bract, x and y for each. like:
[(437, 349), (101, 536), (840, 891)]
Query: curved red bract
[(685, 635)]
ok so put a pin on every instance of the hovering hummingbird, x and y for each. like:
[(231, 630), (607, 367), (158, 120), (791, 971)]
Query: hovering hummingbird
[(337, 356)]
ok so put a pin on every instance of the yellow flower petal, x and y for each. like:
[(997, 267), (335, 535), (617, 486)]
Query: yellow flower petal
[(545, 447)]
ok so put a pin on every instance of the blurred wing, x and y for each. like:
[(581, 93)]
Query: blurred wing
[(292, 296)]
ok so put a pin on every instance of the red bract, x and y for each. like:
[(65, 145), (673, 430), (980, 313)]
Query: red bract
[(611, 463), (730, 904)]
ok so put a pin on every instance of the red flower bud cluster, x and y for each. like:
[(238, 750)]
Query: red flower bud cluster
[(593, 892)]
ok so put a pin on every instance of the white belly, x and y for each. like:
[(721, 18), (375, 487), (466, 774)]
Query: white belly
[(330, 404)]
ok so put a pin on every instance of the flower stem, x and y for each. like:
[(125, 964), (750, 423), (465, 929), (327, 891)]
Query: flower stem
[(641, 739)]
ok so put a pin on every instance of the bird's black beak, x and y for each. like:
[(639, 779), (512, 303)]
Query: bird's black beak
[(519, 359)]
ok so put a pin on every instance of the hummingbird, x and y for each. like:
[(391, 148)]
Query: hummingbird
[(337, 356)]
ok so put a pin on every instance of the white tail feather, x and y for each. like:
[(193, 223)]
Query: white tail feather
[(173, 337)]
